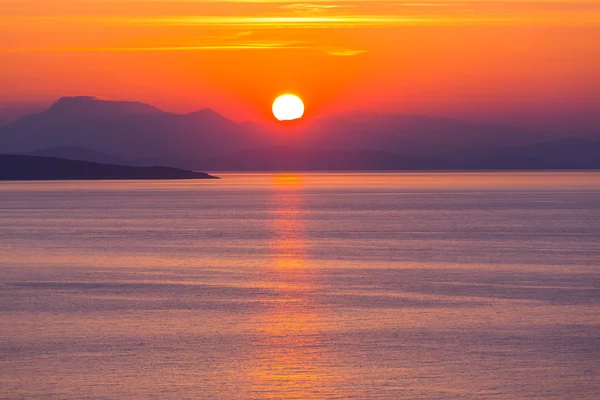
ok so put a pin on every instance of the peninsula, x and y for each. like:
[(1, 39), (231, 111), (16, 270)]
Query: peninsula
[(34, 168)]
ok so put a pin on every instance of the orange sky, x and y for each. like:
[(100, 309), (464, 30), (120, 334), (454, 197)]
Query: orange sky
[(519, 61)]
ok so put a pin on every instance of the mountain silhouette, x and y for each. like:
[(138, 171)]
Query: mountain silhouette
[(573, 153), (90, 129), (89, 106), (567, 153), (413, 134), (81, 154), (128, 129), (282, 158), (8, 115)]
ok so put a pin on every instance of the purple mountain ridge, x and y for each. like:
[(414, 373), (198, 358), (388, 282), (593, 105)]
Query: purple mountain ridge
[(128, 129), (140, 134)]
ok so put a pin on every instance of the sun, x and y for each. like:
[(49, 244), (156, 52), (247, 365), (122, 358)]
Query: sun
[(288, 107)]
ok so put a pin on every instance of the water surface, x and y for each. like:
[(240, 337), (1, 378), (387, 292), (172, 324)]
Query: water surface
[(302, 286)]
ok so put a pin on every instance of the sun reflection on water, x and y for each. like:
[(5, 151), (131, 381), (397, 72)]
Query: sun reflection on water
[(291, 361)]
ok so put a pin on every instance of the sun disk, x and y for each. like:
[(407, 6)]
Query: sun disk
[(288, 107)]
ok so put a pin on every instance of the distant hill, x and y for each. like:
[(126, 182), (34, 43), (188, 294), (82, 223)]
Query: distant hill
[(17, 167), (303, 159), (569, 153), (572, 153), (127, 129), (8, 115), (411, 135), (81, 154), (89, 106), (561, 154)]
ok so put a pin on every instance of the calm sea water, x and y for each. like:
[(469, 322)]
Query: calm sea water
[(308, 286)]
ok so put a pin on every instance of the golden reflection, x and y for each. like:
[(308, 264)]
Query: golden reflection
[(290, 360), (282, 181)]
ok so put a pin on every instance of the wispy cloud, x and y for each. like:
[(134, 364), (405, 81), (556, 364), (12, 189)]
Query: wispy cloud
[(249, 45), (295, 14), (319, 8), (217, 45), (269, 22), (346, 52), (160, 25)]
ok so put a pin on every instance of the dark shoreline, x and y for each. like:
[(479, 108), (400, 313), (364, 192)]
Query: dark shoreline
[(35, 168)]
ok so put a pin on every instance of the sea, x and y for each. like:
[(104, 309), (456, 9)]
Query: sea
[(453, 285)]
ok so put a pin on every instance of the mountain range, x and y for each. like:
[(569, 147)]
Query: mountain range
[(89, 129)]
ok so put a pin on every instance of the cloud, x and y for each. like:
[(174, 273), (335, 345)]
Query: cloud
[(270, 21), (191, 47), (346, 52), (306, 8)]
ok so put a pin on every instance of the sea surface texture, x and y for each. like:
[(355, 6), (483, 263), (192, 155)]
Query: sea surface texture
[(302, 286)]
